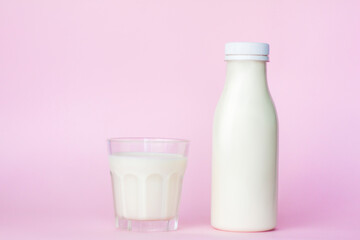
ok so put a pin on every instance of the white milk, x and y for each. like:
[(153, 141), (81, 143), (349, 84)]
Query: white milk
[(147, 186), (244, 164)]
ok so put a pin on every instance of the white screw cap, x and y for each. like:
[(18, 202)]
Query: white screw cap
[(247, 51)]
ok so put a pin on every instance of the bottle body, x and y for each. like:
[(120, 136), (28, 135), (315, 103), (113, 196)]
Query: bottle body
[(244, 163)]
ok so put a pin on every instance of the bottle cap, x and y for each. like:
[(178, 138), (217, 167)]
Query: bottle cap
[(247, 51)]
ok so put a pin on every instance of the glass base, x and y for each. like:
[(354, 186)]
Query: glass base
[(146, 225)]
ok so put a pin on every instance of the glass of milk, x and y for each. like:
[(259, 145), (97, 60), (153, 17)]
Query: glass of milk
[(147, 175)]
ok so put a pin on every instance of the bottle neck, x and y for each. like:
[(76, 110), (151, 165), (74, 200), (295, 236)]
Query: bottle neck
[(247, 75)]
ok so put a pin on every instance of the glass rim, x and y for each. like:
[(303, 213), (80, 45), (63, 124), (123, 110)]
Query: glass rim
[(147, 139)]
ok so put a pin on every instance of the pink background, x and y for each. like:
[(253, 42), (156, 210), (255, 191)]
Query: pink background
[(73, 73)]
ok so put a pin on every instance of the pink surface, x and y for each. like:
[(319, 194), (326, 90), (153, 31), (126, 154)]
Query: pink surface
[(73, 73)]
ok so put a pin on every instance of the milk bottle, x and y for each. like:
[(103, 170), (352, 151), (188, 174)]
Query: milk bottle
[(244, 162)]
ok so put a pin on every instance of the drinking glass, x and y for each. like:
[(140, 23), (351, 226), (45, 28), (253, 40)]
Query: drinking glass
[(147, 176)]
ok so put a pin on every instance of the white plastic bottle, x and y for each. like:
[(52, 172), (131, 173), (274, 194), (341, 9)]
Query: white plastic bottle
[(244, 163)]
